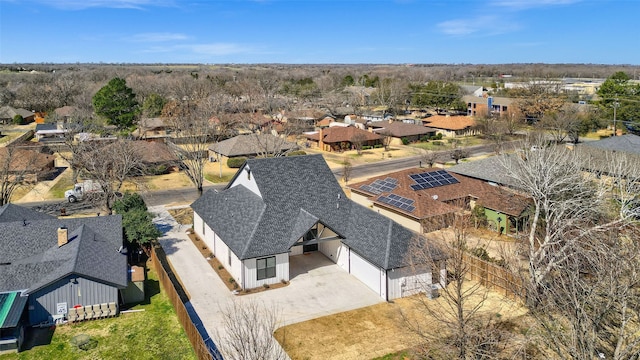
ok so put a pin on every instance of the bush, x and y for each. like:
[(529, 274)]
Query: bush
[(424, 139), (437, 143), (366, 147), (437, 137), (296, 153), (158, 170), (18, 120), (236, 162), (378, 146), (405, 141)]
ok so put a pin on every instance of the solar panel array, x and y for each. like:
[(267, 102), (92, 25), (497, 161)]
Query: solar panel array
[(432, 179), (380, 186), (398, 201)]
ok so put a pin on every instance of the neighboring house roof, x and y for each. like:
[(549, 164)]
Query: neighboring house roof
[(338, 134), (440, 199), (152, 152), (46, 127), (399, 129), (11, 308), (252, 144), (151, 123), (65, 111), (450, 122), (8, 112), (31, 258), (490, 169), (627, 143), (296, 193), (470, 89), (24, 160), (325, 122), (11, 212)]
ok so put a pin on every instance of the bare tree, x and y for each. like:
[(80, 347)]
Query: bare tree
[(465, 329), (562, 123), (346, 169), (357, 140), (583, 276), (459, 154), (386, 139), (247, 332), (17, 168), (110, 165), (429, 157), (193, 133)]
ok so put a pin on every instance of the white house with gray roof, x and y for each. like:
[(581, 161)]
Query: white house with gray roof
[(276, 208)]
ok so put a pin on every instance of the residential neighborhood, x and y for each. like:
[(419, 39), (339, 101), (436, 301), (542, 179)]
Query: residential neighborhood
[(311, 222)]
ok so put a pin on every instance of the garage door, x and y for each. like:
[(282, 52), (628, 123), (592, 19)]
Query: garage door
[(365, 272)]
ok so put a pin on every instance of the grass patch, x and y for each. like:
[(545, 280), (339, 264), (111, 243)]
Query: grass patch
[(215, 177), (183, 216), (152, 334), (65, 183)]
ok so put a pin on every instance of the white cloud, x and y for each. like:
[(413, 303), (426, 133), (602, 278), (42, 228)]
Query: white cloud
[(117, 4), (484, 25), (528, 4), (212, 49), (157, 37)]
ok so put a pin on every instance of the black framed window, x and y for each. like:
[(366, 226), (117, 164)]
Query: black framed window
[(266, 267)]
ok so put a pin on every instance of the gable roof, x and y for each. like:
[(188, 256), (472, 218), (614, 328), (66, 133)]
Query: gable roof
[(8, 112), (399, 129), (440, 200), (65, 111), (338, 134), (32, 259), (23, 160), (628, 143), (450, 122), (252, 144), (490, 169), (297, 192), (152, 152)]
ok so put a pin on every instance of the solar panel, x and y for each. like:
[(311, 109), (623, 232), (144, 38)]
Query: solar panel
[(379, 186), (398, 201), (432, 179)]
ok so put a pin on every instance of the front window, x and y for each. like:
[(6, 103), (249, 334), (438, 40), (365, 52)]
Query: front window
[(266, 267)]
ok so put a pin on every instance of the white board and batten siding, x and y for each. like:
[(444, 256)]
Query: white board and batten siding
[(371, 275), (407, 281), (251, 272), (246, 178), (336, 251), (198, 225)]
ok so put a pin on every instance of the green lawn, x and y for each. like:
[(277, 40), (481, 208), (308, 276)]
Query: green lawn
[(64, 184), (152, 334)]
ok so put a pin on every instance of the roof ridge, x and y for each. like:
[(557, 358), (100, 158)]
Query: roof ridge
[(255, 228), (388, 248)]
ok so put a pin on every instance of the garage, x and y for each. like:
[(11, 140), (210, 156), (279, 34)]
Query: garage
[(366, 272)]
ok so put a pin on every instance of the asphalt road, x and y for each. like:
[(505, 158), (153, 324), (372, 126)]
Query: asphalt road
[(189, 195)]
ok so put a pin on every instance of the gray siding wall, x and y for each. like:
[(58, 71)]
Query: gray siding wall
[(44, 302)]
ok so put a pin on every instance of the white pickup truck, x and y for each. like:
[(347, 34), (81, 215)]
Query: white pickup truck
[(81, 190)]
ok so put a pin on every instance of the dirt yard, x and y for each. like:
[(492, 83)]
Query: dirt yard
[(375, 331)]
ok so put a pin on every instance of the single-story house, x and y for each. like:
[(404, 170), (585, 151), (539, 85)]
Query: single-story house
[(400, 130), (340, 138), (152, 128), (65, 113), (27, 165), (156, 156), (451, 126), (428, 199), (276, 208), (7, 113), (49, 132), (58, 269), (250, 145)]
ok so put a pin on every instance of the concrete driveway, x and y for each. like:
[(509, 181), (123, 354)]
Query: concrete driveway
[(318, 287)]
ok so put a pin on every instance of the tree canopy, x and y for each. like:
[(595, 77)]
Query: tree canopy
[(618, 93), (139, 229), (117, 103), (438, 94)]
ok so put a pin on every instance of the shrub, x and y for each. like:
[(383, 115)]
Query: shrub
[(405, 141), (266, 286), (296, 153), (437, 143), (437, 137), (220, 267), (424, 139), (366, 147), (377, 146), (481, 253), (158, 170), (236, 162), (18, 120)]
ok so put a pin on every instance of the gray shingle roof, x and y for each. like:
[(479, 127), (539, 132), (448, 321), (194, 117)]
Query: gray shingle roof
[(490, 169), (11, 212), (297, 192), (251, 144), (33, 259), (627, 143)]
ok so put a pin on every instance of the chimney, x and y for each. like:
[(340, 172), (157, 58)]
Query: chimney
[(321, 140), (63, 238)]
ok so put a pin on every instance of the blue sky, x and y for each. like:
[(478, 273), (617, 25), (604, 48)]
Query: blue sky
[(320, 31)]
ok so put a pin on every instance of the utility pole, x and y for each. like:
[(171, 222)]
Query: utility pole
[(615, 106)]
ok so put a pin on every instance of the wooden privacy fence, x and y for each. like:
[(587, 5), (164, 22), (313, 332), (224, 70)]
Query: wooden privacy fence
[(495, 277), (164, 270)]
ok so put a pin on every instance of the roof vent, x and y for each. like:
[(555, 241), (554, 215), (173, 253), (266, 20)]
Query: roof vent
[(434, 197)]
